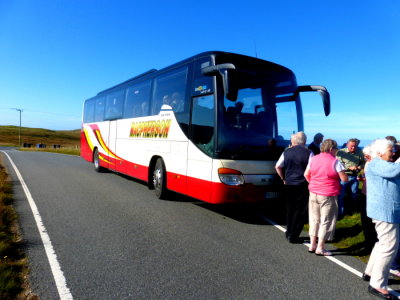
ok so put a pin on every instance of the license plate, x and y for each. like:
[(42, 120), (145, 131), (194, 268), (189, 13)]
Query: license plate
[(271, 195)]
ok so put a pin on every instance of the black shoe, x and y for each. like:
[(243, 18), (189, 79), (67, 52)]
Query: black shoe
[(379, 294), (366, 277), (294, 240)]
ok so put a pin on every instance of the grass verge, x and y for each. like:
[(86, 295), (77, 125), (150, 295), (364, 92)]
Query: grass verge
[(13, 263), (66, 150), (349, 237)]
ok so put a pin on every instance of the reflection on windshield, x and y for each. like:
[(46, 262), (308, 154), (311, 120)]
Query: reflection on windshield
[(258, 125)]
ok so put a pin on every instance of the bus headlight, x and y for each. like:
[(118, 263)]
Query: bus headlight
[(230, 176)]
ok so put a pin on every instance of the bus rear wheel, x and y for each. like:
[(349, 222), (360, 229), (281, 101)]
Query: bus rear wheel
[(96, 161), (159, 179)]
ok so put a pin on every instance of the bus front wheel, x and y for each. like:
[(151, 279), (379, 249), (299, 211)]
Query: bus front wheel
[(159, 179)]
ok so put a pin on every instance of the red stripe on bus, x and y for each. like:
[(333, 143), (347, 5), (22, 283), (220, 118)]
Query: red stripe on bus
[(86, 152), (212, 192)]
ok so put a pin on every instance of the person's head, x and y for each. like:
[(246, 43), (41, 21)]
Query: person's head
[(382, 148), (318, 138), (166, 99), (299, 138), (352, 145), (329, 146), (176, 96)]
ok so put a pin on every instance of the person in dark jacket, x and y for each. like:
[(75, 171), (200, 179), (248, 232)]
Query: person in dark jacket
[(315, 145), (290, 168)]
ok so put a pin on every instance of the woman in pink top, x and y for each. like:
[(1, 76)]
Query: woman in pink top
[(323, 173)]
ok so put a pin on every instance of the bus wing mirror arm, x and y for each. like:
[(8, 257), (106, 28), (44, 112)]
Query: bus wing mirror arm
[(228, 78), (326, 98)]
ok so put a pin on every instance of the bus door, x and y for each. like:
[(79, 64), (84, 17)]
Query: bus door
[(112, 141), (201, 147), (100, 131), (114, 108)]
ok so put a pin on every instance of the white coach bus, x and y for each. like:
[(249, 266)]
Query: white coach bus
[(210, 127)]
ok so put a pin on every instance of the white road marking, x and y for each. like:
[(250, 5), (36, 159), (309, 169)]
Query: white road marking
[(58, 275), (335, 260)]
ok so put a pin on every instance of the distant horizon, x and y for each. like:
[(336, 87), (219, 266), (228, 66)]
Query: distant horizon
[(40, 128)]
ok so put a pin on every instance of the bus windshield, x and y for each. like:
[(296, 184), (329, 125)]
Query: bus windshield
[(258, 125)]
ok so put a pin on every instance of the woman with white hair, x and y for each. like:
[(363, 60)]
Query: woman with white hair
[(383, 207)]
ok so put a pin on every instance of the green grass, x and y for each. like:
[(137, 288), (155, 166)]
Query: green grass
[(66, 150), (349, 237), (13, 264), (9, 136)]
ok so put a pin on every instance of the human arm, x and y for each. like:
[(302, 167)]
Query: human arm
[(279, 167), (281, 173), (343, 176), (340, 169), (307, 173), (384, 168)]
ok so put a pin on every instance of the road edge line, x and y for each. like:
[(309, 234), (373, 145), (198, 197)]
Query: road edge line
[(58, 274)]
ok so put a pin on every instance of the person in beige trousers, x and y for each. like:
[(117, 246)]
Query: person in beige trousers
[(323, 173)]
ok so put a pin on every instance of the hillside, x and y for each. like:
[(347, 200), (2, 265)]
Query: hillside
[(9, 136)]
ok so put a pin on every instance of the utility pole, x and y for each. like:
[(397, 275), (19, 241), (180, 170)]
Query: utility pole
[(20, 113)]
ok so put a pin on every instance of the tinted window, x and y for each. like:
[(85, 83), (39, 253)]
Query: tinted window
[(114, 105), (258, 125), (99, 109), (202, 85), (170, 88), (203, 123), (137, 100), (88, 115)]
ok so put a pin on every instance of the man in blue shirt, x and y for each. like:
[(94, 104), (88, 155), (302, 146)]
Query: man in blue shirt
[(354, 161)]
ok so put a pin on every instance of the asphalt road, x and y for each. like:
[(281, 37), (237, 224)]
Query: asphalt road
[(114, 239)]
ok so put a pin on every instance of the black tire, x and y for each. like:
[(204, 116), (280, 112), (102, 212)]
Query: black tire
[(96, 162), (160, 180)]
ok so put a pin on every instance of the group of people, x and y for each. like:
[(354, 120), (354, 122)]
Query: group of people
[(318, 178)]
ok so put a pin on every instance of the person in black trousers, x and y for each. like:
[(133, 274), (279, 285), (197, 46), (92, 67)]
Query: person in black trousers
[(290, 168)]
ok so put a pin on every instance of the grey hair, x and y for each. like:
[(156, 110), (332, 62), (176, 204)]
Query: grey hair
[(379, 147), (299, 138)]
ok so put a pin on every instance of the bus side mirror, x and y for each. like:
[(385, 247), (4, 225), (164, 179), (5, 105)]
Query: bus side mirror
[(326, 99), (227, 71)]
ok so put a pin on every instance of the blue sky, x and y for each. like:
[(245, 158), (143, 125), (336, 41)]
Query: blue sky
[(55, 54)]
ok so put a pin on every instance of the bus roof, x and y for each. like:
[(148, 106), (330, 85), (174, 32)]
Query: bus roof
[(195, 57)]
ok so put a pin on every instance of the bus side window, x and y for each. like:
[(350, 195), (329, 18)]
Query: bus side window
[(137, 100), (203, 123), (169, 88), (99, 109), (114, 105), (88, 116)]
